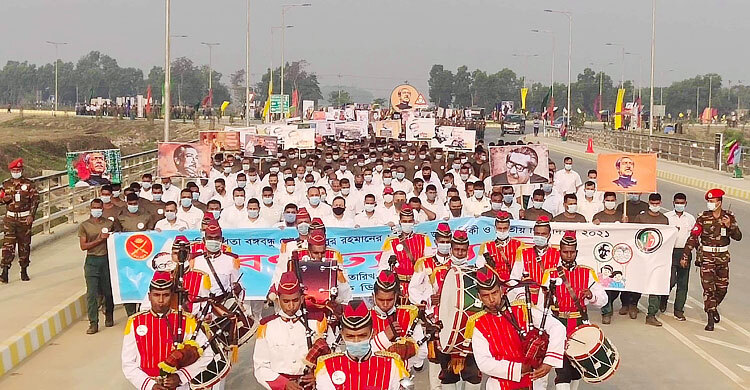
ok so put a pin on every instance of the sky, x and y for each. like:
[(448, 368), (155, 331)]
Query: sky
[(377, 44)]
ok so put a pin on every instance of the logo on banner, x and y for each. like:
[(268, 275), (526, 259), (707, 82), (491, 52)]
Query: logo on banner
[(648, 240), (622, 253), (139, 246), (603, 252)]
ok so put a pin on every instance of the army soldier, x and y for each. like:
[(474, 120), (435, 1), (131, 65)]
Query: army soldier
[(21, 199), (133, 219), (713, 229), (92, 235)]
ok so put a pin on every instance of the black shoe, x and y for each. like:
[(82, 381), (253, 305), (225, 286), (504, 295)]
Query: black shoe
[(4, 275), (679, 315), (109, 320), (663, 304), (710, 325), (717, 317), (93, 328), (25, 274)]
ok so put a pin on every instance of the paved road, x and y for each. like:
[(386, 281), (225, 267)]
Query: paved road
[(679, 355)]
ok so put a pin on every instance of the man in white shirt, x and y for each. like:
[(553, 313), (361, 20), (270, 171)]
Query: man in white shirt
[(402, 183), (206, 189), (553, 199), (369, 216), (145, 193), (252, 216), (170, 220), (349, 194), (455, 208), (388, 213), (226, 174), (221, 194), (477, 204), (232, 216), (338, 216), (254, 187), (567, 181), (684, 222), (371, 186), (191, 215), (465, 176), (429, 177), (170, 192), (316, 207), (270, 210), (289, 194), (343, 172), (509, 202), (588, 206), (431, 202)]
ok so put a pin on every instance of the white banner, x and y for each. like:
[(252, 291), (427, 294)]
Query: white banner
[(420, 129)]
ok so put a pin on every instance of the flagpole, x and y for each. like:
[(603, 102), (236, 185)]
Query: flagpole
[(167, 75), (247, 68)]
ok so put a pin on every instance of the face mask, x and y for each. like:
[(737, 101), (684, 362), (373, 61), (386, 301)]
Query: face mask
[(388, 198), (573, 208), (654, 209), (167, 186), (106, 199), (447, 184), (536, 204), (170, 215), (711, 206), (186, 202), (314, 200), (633, 197), (508, 198), (338, 210), (252, 179), (368, 178), (146, 185), (479, 194), (345, 191), (444, 248), (400, 175), (116, 194), (464, 160), (289, 217), (303, 155), (540, 241), (412, 157), (361, 163), (456, 166), (290, 189), (497, 206), (387, 180), (610, 205), (300, 176), (239, 201), (227, 169), (439, 156), (195, 195), (241, 184), (303, 228), (379, 168), (589, 193), (253, 213), (359, 349), (342, 168), (308, 169), (407, 228), (274, 169), (458, 261), (369, 207), (383, 314), (282, 163), (502, 235), (547, 188), (133, 208), (679, 208), (96, 213), (464, 177), (245, 167), (216, 213), (335, 158), (157, 197), (267, 200), (213, 246)]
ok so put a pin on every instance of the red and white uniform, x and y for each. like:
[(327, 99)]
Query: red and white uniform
[(416, 244), (535, 263), (580, 278), (381, 371), (197, 284), (498, 350), (405, 315), (505, 253), (428, 278), (149, 339)]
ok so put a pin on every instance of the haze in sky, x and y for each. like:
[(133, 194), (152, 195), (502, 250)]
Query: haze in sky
[(376, 44)]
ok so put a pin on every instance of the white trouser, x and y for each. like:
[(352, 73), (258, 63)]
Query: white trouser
[(433, 370), (541, 383), (573, 385)]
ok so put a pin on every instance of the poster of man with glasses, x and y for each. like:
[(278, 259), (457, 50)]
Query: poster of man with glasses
[(519, 164)]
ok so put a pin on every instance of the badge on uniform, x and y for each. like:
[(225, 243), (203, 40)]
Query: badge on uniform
[(141, 330), (399, 247), (141, 225), (338, 378), (160, 211), (24, 187), (723, 232)]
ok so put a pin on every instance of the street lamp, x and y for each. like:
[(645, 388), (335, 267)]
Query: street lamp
[(167, 72), (525, 57), (622, 47), (653, 53), (179, 87), (601, 83), (247, 68), (552, 79), (283, 13), (270, 80), (57, 56), (640, 77), (210, 71), (570, 53)]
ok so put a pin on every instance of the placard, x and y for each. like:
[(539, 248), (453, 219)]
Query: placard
[(221, 141), (260, 145), (387, 129), (420, 129), (454, 139), (94, 167), (626, 172), (192, 160), (299, 139), (519, 164)]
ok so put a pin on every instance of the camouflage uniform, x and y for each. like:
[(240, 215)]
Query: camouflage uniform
[(713, 238), (21, 199)]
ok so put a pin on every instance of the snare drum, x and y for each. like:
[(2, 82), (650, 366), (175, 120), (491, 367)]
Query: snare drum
[(592, 354), (216, 370), (319, 279), (459, 300), (231, 326)]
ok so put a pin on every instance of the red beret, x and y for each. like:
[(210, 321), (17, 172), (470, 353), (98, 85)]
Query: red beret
[(388, 191), (179, 240), (386, 280), (356, 315), (502, 216), (443, 229), (302, 214), (288, 284), (486, 278), (213, 230), (716, 193), (460, 237), (543, 220), (17, 163), (317, 237)]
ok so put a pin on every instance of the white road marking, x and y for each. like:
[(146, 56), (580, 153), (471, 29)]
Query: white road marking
[(700, 322), (723, 343), (703, 354), (746, 368), (725, 320), (686, 305)]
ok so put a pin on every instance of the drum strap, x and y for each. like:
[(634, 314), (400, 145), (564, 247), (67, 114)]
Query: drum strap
[(572, 293), (216, 276)]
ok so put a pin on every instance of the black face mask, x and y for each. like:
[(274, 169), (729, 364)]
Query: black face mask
[(338, 210), (358, 185)]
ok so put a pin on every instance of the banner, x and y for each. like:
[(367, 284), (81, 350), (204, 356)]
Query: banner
[(619, 108), (387, 129), (524, 92), (404, 97), (353, 131), (627, 257), (260, 145), (519, 164), (626, 172), (299, 139), (191, 160), (308, 107), (454, 138), (420, 129), (94, 167), (220, 141)]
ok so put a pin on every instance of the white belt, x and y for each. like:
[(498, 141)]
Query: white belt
[(19, 214), (715, 249)]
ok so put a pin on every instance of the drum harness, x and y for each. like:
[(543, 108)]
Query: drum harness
[(574, 296)]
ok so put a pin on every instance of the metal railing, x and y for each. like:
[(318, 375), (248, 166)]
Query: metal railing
[(59, 203)]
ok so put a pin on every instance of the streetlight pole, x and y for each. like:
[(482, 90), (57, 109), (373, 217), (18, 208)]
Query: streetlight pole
[(167, 73), (525, 57), (697, 102), (283, 64), (552, 73), (622, 47), (653, 53), (247, 68), (570, 54), (179, 86), (57, 60), (210, 71)]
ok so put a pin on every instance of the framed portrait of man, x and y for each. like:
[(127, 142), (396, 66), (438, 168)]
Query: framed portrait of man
[(519, 164), (626, 172)]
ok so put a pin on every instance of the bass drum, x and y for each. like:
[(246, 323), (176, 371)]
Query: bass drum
[(459, 300), (216, 370), (592, 354), (231, 324)]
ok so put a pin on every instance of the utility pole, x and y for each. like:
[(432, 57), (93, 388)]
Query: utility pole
[(210, 71), (653, 52), (697, 102), (57, 60), (570, 56), (283, 65), (247, 68), (167, 74)]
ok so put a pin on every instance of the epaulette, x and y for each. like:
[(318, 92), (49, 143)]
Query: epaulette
[(396, 358), (391, 355), (471, 322), (129, 322), (322, 360), (268, 319)]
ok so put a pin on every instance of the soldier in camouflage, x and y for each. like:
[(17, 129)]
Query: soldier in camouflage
[(21, 200), (713, 230)]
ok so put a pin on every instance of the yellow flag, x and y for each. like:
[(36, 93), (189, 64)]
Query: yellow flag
[(224, 106), (267, 106), (524, 92), (619, 108)]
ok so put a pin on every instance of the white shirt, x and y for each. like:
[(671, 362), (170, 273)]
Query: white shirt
[(514, 209), (331, 220), (437, 207), (232, 217), (257, 223), (475, 206), (226, 271), (553, 202), (271, 214), (206, 192), (402, 185), (321, 211), (364, 220), (684, 224), (589, 208), (192, 217), (253, 190), (164, 225), (226, 201), (345, 174), (146, 194), (567, 182), (387, 214), (173, 194)]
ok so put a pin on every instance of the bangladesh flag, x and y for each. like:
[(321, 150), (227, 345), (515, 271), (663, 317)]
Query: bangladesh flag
[(545, 101)]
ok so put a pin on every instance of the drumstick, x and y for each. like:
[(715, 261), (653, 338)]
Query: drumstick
[(577, 341)]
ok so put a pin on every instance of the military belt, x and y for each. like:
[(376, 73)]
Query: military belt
[(715, 249), (19, 214)]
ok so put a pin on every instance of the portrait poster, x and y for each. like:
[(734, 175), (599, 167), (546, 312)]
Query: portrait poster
[(626, 172), (308, 107), (420, 129), (350, 113), (404, 97), (221, 141), (453, 138), (352, 130), (519, 164), (94, 167), (387, 129), (319, 115), (260, 145), (184, 159), (299, 139), (243, 132), (277, 129), (325, 128)]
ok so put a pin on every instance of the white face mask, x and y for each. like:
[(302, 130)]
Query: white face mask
[(407, 228), (679, 208), (654, 209), (610, 204), (290, 189), (369, 207), (464, 177), (387, 180), (227, 169), (314, 200), (479, 194), (568, 167), (368, 178), (497, 206), (267, 200), (245, 167), (388, 198), (537, 205), (241, 184), (146, 185), (253, 213), (213, 246), (711, 206), (444, 248), (252, 179), (170, 215), (239, 201), (573, 208), (16, 175), (589, 193), (456, 261), (379, 168), (106, 199), (502, 235), (345, 191)]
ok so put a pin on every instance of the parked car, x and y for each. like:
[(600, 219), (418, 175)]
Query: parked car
[(513, 123)]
